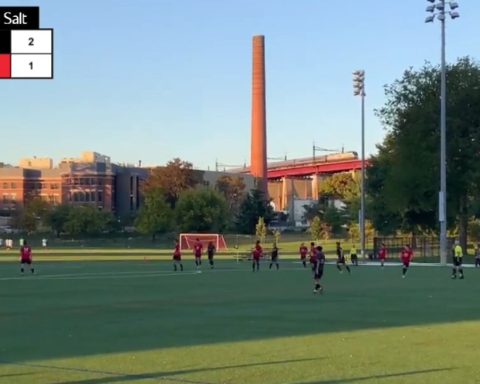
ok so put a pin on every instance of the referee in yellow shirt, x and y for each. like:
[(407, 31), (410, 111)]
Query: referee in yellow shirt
[(457, 260)]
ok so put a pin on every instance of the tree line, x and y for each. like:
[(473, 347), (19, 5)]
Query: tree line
[(175, 200)]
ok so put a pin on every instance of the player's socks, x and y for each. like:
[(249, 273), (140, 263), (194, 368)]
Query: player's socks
[(348, 268), (32, 270), (181, 267), (339, 268), (304, 264), (175, 267), (404, 271), (278, 266), (460, 271), (21, 270), (270, 266)]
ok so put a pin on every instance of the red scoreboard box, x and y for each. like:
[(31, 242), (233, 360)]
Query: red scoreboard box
[(26, 50)]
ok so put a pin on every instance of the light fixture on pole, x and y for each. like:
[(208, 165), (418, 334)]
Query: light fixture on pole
[(359, 90), (439, 11)]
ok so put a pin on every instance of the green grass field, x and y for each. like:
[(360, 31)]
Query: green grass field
[(96, 322)]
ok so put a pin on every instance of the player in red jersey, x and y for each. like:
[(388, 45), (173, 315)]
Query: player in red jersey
[(26, 257), (382, 254), (406, 256), (197, 251), (257, 253), (303, 254), (177, 257)]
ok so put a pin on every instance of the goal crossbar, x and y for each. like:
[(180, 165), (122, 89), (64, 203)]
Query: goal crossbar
[(188, 240)]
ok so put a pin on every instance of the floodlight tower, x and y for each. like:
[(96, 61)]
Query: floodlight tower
[(438, 10), (359, 90)]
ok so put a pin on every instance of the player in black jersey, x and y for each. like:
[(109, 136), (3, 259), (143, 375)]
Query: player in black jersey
[(274, 258), (211, 252), (341, 259), (318, 262)]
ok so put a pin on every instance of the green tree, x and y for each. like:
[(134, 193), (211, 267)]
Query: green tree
[(252, 207), (233, 189), (176, 177), (155, 216), (201, 210), (34, 215), (261, 229), (405, 173), (57, 218), (344, 186), (316, 229), (333, 219), (87, 220)]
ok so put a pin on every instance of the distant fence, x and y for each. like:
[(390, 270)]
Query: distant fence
[(423, 246)]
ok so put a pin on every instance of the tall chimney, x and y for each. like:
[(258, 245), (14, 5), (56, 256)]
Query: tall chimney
[(258, 167)]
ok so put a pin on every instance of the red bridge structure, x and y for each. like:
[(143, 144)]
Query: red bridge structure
[(299, 179)]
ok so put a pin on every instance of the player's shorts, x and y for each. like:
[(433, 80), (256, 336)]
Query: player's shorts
[(198, 257), (210, 257), (341, 260), (26, 261), (177, 258), (381, 257), (303, 257), (457, 261), (406, 263), (318, 273)]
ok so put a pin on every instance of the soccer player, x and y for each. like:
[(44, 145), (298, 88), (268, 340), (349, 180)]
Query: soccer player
[(177, 257), (318, 264), (457, 260), (353, 255), (382, 254), (211, 251), (274, 258), (197, 251), (341, 259), (406, 256), (313, 253), (256, 254), (26, 257), (303, 254), (477, 256)]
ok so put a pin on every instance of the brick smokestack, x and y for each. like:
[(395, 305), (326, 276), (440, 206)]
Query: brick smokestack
[(258, 165)]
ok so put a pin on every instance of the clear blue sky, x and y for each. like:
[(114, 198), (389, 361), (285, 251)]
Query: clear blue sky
[(152, 80)]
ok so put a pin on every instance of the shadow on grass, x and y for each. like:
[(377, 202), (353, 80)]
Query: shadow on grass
[(116, 377), (377, 377), (15, 374)]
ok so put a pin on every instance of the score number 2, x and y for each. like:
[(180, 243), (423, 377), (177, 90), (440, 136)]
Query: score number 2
[(30, 43)]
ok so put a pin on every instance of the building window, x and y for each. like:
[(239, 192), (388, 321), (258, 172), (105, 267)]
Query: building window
[(100, 196), (92, 196), (13, 185)]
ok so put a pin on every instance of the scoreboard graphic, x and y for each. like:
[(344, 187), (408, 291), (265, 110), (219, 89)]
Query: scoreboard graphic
[(26, 50)]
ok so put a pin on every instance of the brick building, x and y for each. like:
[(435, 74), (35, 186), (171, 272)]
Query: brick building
[(91, 179)]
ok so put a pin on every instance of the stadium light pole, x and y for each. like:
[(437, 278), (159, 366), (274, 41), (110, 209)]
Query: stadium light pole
[(359, 90), (439, 11)]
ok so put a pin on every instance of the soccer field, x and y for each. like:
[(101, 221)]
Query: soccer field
[(139, 322)]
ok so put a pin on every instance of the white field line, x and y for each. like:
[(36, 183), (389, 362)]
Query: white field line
[(153, 273)]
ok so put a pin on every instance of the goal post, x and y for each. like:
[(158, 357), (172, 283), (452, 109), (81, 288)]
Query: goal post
[(187, 240)]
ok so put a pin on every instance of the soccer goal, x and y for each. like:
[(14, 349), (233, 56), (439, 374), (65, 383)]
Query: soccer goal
[(187, 240)]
